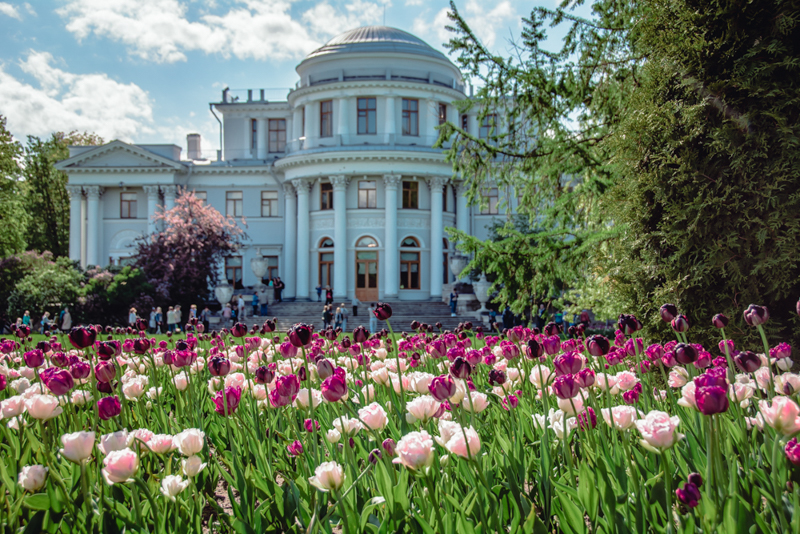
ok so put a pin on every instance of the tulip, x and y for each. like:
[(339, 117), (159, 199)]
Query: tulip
[(756, 315), (658, 430), (668, 312), (193, 465), (783, 415), (3, 382), (295, 448), (77, 446), (120, 466), (680, 323), (161, 443), (105, 372), (43, 407), (172, 485), (360, 334), (552, 345), (109, 407), (219, 366), (80, 370), (631, 397), (685, 354), (109, 349), (460, 368), (793, 451), (598, 345), (190, 442), (285, 392), (719, 321), (442, 387), (383, 311), (324, 368), (34, 358), (696, 479), (423, 408), (620, 417), (496, 378), (747, 361), (781, 351), (415, 450), (711, 400), (264, 375), (468, 448), (475, 403), (115, 441), (300, 335), (533, 350), (628, 324), (32, 477), (333, 388), (328, 476), (566, 387), (689, 495), (59, 382), (373, 416), (585, 378), (227, 402), (239, 330), (389, 445)]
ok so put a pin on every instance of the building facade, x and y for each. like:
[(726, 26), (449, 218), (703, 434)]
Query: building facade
[(339, 184)]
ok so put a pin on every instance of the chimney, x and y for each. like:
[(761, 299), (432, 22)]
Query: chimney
[(193, 147)]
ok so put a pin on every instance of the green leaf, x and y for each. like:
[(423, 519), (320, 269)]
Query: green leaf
[(38, 501), (587, 491), (571, 517)]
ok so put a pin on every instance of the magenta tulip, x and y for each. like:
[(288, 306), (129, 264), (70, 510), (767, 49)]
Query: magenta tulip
[(383, 311), (793, 451), (82, 337), (719, 321), (300, 335), (109, 407), (688, 495), (333, 388), (668, 312), (442, 387), (34, 358), (219, 366), (232, 396), (756, 315), (105, 372), (568, 363), (566, 387)]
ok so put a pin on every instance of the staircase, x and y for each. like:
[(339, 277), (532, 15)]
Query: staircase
[(403, 312)]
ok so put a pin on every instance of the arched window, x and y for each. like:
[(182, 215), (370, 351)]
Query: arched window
[(367, 242), (326, 262), (409, 264)]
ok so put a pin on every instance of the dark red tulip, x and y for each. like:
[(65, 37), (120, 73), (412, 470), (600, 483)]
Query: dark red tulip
[(566, 387), (628, 324), (80, 370), (598, 345), (264, 375), (219, 366), (109, 349), (756, 315), (302, 374), (533, 349), (43, 346), (105, 372), (82, 337), (333, 388), (300, 335), (34, 358), (239, 330), (415, 325), (269, 325), (496, 378), (696, 479), (587, 419), (360, 334), (668, 312), (109, 407), (141, 345), (747, 361), (442, 387), (711, 400), (226, 404), (631, 397), (719, 321), (460, 368), (141, 325), (688, 495), (685, 353), (383, 311), (680, 323), (375, 456)]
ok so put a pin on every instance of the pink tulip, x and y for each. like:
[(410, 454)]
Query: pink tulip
[(328, 476), (466, 449), (783, 415), (423, 408), (414, 450), (373, 416), (77, 446), (43, 407), (120, 466), (658, 430), (620, 417)]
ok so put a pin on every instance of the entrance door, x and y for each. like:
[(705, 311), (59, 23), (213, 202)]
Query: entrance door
[(367, 276), (326, 269)]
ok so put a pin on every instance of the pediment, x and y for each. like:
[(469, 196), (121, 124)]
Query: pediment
[(118, 155)]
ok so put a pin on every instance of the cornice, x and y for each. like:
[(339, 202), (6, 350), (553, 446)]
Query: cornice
[(367, 84), (231, 169), (121, 170), (163, 163), (372, 156)]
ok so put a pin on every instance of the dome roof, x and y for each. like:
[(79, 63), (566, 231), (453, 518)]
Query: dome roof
[(376, 39)]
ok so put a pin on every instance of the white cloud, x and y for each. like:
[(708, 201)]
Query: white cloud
[(63, 101), (160, 30), (10, 11), (485, 23), (414, 2), (29, 9)]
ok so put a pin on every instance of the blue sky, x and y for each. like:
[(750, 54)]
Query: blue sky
[(145, 70)]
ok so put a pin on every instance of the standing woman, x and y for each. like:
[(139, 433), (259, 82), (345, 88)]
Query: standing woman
[(26, 318), (159, 320), (170, 319), (132, 317), (66, 321), (45, 323), (373, 321), (337, 318), (328, 295)]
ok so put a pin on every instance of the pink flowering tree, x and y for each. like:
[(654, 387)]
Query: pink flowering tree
[(182, 261)]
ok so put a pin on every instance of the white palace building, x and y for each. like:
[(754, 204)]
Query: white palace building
[(338, 184)]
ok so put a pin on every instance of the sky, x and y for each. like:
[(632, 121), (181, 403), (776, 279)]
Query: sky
[(144, 71)]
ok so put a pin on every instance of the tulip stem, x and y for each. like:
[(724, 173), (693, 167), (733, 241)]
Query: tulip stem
[(771, 392), (342, 511), (434, 501), (776, 484), (668, 486)]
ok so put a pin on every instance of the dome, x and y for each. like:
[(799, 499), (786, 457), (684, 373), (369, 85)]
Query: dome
[(376, 39)]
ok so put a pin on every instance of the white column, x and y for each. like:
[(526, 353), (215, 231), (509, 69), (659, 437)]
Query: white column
[(312, 124), (462, 209), (289, 274), (297, 127), (169, 196), (261, 139), (303, 237), (152, 206), (343, 125), (75, 196), (339, 236), (93, 223), (248, 139), (391, 126), (436, 184), (431, 121), (391, 278)]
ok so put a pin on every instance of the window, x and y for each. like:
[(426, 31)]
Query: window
[(326, 118), (444, 198), (367, 195), (366, 242), (272, 268), (491, 202), (465, 122), (410, 117), (442, 113), (326, 196), (233, 203), (411, 195), (446, 266), (202, 196), (326, 263), (409, 264), (367, 116), (127, 206), (233, 271), (489, 125), (253, 134), (269, 203), (277, 135)]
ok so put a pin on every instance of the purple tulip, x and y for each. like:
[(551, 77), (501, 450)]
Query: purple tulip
[(496, 378), (654, 352), (568, 363), (631, 396), (793, 451), (587, 419), (142, 345), (585, 378), (3, 382), (105, 372), (783, 350), (566, 387), (239, 330), (719, 321), (383, 311), (300, 335), (59, 381), (685, 354), (285, 392), (442, 387), (389, 446), (264, 375), (183, 358), (80, 370), (333, 388), (711, 399), (628, 324), (109, 407), (726, 343), (219, 366), (756, 315), (747, 362), (696, 479), (689, 495), (232, 395), (668, 312), (310, 426), (797, 307), (295, 448), (552, 345), (598, 345), (34, 358), (324, 368), (680, 323), (82, 337), (374, 456), (360, 334), (533, 349), (460, 368)]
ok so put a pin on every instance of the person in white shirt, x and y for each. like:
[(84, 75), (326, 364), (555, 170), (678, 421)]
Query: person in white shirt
[(132, 317), (354, 303), (240, 306), (373, 321), (343, 311)]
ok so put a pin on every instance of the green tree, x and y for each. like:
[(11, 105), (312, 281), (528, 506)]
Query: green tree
[(13, 217), (107, 296), (548, 113), (709, 188), (49, 285), (46, 197)]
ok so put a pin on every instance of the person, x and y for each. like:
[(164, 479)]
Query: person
[(254, 302), (159, 320), (204, 315), (132, 317), (541, 316), (178, 317), (240, 309), (344, 316), (373, 321), (226, 314), (327, 316), (328, 295), (559, 320), (66, 321), (492, 320), (263, 299), (193, 311), (337, 318), (585, 318), (61, 317), (45, 323), (279, 285), (151, 323), (453, 302), (26, 318), (508, 318), (354, 303), (170, 319), (319, 293)]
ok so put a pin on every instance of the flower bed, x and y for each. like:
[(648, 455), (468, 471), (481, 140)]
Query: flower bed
[(379, 432)]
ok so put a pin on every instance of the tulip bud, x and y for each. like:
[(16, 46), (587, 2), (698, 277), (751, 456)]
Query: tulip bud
[(719, 321), (109, 407), (685, 354), (496, 377), (460, 368), (668, 312), (598, 345), (696, 479), (219, 366), (383, 311), (756, 315), (747, 362), (680, 323), (300, 335)]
